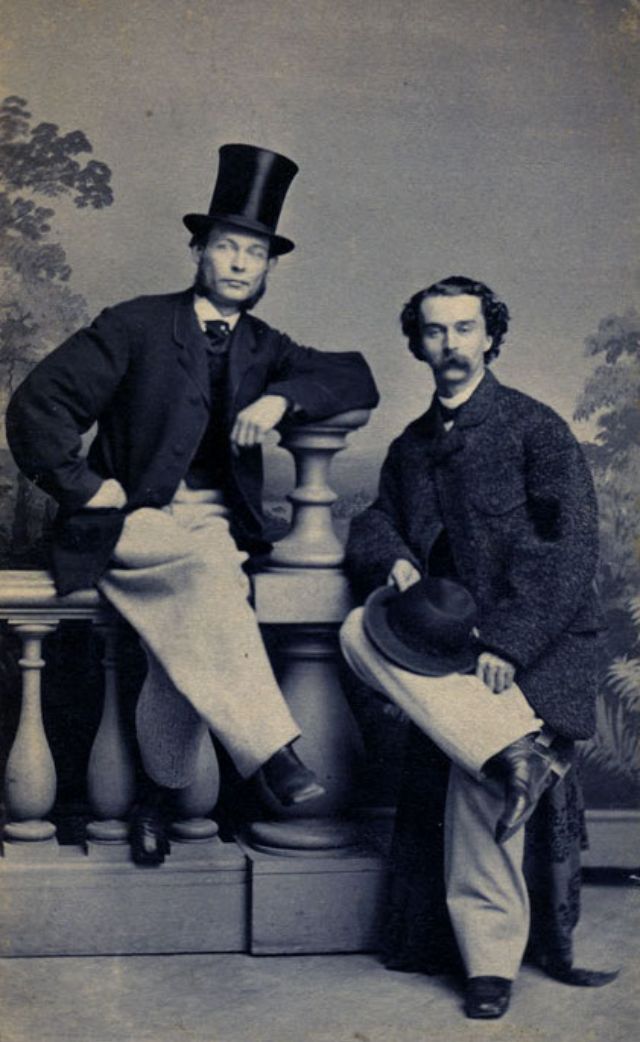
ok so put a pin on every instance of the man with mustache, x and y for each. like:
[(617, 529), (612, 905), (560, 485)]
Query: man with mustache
[(488, 488), (163, 512)]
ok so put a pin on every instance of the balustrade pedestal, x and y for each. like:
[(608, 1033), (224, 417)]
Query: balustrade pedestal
[(302, 590), (316, 882)]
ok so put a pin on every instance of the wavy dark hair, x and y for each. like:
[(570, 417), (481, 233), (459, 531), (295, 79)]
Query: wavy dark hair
[(495, 311)]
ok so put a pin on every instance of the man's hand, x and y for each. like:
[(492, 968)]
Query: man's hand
[(110, 494), (403, 575), (254, 423), (495, 672)]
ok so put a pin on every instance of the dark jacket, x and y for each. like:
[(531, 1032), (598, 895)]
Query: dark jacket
[(510, 487), (140, 370)]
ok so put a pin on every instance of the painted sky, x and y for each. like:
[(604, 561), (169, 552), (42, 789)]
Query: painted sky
[(495, 139)]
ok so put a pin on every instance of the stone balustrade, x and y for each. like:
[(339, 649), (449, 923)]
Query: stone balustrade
[(299, 589)]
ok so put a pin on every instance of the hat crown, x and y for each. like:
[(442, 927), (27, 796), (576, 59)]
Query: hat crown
[(249, 192), (433, 613), (252, 182)]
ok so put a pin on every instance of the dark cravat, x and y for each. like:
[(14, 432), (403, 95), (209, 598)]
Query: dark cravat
[(217, 333), (448, 415), (449, 439)]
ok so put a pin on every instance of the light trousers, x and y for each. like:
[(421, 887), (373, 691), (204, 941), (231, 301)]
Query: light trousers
[(176, 577), (486, 891), (458, 711)]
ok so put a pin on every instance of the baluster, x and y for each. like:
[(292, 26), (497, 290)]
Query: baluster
[(110, 773), (195, 803), (30, 781), (312, 541)]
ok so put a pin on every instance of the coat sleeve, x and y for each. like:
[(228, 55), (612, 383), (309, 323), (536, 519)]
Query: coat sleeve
[(376, 537), (321, 383), (553, 564), (59, 401)]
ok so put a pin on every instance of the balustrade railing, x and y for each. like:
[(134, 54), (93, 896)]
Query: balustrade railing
[(299, 588)]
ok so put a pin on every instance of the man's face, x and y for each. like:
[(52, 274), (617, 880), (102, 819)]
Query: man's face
[(232, 266), (454, 340)]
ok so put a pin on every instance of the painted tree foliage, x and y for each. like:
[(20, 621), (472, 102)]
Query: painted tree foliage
[(611, 397), (38, 164)]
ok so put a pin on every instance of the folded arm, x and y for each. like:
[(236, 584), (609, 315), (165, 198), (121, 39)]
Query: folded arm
[(320, 384)]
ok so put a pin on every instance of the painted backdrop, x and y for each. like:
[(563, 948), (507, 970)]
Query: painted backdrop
[(497, 140)]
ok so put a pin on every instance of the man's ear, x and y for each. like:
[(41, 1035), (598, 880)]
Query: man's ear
[(272, 263), (196, 252)]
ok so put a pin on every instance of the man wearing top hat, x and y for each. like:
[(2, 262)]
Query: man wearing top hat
[(483, 546), (165, 508)]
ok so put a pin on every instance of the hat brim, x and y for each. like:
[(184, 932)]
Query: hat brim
[(198, 223), (425, 663)]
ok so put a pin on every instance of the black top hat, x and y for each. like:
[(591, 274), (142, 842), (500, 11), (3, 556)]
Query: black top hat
[(250, 189), (426, 629)]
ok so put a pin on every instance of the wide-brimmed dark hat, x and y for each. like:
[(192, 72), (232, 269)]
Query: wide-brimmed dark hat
[(426, 629), (249, 192)]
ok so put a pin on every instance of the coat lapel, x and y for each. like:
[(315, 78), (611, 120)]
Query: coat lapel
[(192, 353), (440, 443), (245, 345), (191, 345), (480, 404)]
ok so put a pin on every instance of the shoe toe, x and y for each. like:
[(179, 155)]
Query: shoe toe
[(487, 998), (311, 790), (148, 840), (289, 780)]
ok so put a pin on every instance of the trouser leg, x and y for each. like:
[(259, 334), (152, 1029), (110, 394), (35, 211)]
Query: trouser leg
[(487, 895), (182, 589), (459, 712), (169, 729)]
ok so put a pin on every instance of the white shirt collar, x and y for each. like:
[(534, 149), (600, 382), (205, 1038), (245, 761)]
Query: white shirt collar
[(463, 396), (208, 312)]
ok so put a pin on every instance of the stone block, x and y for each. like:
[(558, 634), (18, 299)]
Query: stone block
[(19, 852), (81, 906), (315, 904)]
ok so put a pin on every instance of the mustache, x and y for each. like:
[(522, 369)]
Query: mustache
[(461, 363)]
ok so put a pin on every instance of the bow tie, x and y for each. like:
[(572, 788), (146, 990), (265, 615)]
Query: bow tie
[(448, 415), (217, 332)]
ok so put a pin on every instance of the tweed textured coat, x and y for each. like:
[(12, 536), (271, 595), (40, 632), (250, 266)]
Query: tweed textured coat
[(140, 370), (504, 502)]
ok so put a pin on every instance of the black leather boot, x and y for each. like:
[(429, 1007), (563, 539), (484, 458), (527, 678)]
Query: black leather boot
[(526, 768), (487, 998), (148, 826), (288, 779)]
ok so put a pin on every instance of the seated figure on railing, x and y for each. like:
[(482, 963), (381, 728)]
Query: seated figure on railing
[(163, 512)]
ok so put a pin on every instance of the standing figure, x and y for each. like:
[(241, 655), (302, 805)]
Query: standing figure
[(485, 530), (164, 510)]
